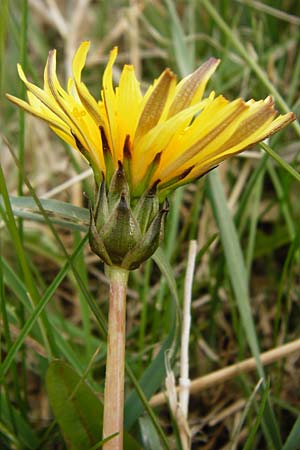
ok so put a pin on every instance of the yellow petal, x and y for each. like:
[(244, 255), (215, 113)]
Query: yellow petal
[(210, 128), (259, 113), (51, 119), (86, 98), (67, 137), (157, 139), (80, 122), (155, 104), (169, 134), (259, 135), (79, 59), (190, 89), (215, 152), (43, 96), (128, 96), (109, 98)]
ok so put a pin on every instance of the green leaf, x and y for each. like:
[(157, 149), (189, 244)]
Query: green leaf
[(37, 312), (238, 277), (162, 262), (24, 433), (252, 63), (77, 409), (149, 436), (248, 407), (235, 261), (184, 57), (15, 284), (60, 213), (80, 415), (293, 440), (286, 166), (259, 417), (155, 374)]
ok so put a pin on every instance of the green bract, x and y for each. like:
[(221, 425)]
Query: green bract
[(123, 234)]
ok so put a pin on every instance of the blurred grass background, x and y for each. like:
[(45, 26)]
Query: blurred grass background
[(246, 286)]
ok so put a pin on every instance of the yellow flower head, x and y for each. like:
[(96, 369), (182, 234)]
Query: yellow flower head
[(164, 138)]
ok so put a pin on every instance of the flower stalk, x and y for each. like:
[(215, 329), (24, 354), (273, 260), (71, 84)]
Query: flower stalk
[(115, 362)]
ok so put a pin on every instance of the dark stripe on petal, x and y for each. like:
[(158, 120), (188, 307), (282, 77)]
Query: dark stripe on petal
[(156, 102), (105, 144), (190, 87)]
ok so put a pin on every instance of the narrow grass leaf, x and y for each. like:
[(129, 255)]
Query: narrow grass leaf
[(283, 200), (259, 417), (235, 261), (149, 436), (13, 282), (60, 213), (144, 401), (280, 161), (24, 432), (3, 32), (293, 440), (245, 413), (166, 269), (182, 53), (247, 56), (22, 91), (155, 374), (37, 312), (9, 219), (238, 277)]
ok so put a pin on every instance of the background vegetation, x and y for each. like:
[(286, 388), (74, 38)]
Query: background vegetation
[(244, 216)]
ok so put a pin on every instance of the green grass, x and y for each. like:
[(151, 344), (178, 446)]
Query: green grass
[(53, 292)]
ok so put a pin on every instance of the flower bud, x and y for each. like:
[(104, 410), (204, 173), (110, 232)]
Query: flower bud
[(120, 234)]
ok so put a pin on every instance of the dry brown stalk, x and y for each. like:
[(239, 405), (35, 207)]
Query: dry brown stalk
[(222, 375)]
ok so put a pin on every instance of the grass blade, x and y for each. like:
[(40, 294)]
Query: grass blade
[(281, 162), (37, 312), (292, 442), (262, 76), (156, 372), (239, 280)]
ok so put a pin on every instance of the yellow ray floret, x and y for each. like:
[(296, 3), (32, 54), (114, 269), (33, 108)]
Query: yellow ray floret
[(166, 137)]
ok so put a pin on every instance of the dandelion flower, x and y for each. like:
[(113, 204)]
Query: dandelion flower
[(146, 143), (171, 135)]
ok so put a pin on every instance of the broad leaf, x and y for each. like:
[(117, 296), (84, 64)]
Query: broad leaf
[(77, 409)]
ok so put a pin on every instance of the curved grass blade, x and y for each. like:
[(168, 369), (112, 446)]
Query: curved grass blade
[(148, 434), (25, 434), (280, 161), (238, 277), (166, 269), (16, 236), (156, 372), (142, 400), (259, 417), (60, 213), (252, 62), (292, 442), (235, 262), (37, 311)]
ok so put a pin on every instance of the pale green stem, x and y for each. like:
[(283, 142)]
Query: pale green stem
[(115, 362)]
